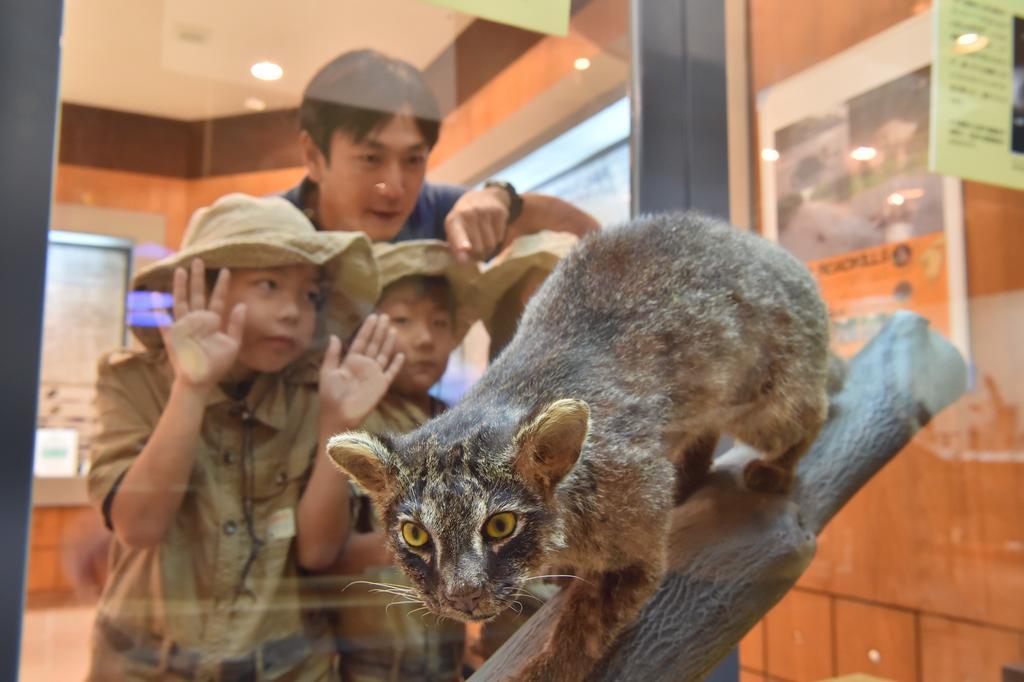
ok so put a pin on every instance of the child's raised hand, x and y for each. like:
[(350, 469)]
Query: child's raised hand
[(201, 344), (351, 388)]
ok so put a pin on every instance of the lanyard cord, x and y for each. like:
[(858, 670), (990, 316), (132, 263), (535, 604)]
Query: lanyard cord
[(248, 491)]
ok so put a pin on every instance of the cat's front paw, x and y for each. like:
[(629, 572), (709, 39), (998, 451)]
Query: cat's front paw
[(765, 477)]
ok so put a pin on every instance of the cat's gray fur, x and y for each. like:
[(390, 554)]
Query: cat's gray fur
[(648, 341)]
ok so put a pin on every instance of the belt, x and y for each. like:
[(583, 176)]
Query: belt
[(161, 653)]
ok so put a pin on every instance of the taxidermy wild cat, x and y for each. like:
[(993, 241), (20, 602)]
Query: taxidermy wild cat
[(648, 341)]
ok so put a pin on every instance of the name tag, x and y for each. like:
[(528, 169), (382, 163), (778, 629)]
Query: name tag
[(282, 524)]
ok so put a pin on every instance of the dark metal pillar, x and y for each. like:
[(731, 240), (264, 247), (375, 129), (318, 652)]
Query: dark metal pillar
[(678, 93), (29, 62), (679, 139)]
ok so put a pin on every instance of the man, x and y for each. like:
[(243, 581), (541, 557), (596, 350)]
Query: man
[(368, 123)]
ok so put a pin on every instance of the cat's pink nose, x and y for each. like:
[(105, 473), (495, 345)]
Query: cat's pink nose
[(465, 598)]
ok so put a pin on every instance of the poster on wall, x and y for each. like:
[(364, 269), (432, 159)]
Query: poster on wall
[(845, 186), (977, 98)]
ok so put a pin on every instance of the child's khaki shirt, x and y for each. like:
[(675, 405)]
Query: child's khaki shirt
[(397, 643), (210, 601)]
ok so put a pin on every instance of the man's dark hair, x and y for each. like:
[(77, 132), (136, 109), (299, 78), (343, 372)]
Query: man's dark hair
[(359, 91)]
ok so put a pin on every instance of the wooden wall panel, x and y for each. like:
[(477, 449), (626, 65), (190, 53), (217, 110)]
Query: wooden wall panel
[(798, 637), (787, 36), (52, 529), (46, 527), (751, 676), (204, 191), (174, 198), (130, 191), (118, 140), (995, 238), (43, 570), (960, 652), (931, 534), (752, 648), (875, 640)]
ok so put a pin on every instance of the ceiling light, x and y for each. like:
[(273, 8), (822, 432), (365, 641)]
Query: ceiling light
[(581, 64), (863, 153), (970, 42), (769, 154), (896, 199), (255, 104), (266, 71)]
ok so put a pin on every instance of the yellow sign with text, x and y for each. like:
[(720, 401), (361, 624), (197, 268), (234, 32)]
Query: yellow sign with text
[(543, 16), (977, 129)]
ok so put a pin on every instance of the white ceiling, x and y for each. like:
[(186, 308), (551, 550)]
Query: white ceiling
[(190, 59)]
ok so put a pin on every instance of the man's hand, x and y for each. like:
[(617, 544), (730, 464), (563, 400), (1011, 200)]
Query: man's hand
[(350, 389), (477, 224), (201, 346)]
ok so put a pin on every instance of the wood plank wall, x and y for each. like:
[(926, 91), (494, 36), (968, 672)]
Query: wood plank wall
[(921, 577)]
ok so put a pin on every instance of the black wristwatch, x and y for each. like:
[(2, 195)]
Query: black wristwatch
[(515, 202)]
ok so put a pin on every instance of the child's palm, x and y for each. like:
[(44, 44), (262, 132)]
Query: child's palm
[(350, 390), (200, 346), (199, 349)]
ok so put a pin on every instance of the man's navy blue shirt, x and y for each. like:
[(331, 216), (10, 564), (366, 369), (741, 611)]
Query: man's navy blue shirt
[(425, 222)]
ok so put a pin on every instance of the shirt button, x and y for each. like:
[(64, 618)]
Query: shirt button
[(230, 527), (229, 457), (281, 477)]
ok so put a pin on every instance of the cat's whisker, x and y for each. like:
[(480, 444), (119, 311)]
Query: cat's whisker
[(523, 593), (397, 603), (512, 604), (397, 593), (554, 575), (389, 586), (422, 608)]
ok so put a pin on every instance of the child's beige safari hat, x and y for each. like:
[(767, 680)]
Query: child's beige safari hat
[(540, 251), (433, 258), (241, 231)]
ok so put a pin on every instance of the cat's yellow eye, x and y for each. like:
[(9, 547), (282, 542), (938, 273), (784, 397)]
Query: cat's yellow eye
[(414, 535), (500, 526)]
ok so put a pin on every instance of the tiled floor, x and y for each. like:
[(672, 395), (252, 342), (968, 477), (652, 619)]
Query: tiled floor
[(55, 643)]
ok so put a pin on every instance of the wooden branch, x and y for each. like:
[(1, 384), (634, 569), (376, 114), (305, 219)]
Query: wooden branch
[(733, 553)]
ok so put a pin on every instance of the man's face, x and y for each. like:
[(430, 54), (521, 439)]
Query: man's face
[(281, 310), (370, 186), (423, 327)]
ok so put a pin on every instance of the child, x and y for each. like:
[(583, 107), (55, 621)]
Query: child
[(431, 302), (209, 467)]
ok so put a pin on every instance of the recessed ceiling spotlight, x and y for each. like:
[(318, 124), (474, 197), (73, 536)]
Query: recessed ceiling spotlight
[(255, 104), (769, 154), (581, 64), (266, 71), (863, 153)]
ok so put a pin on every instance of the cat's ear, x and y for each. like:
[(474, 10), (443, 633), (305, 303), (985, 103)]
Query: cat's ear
[(549, 446), (363, 457)]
